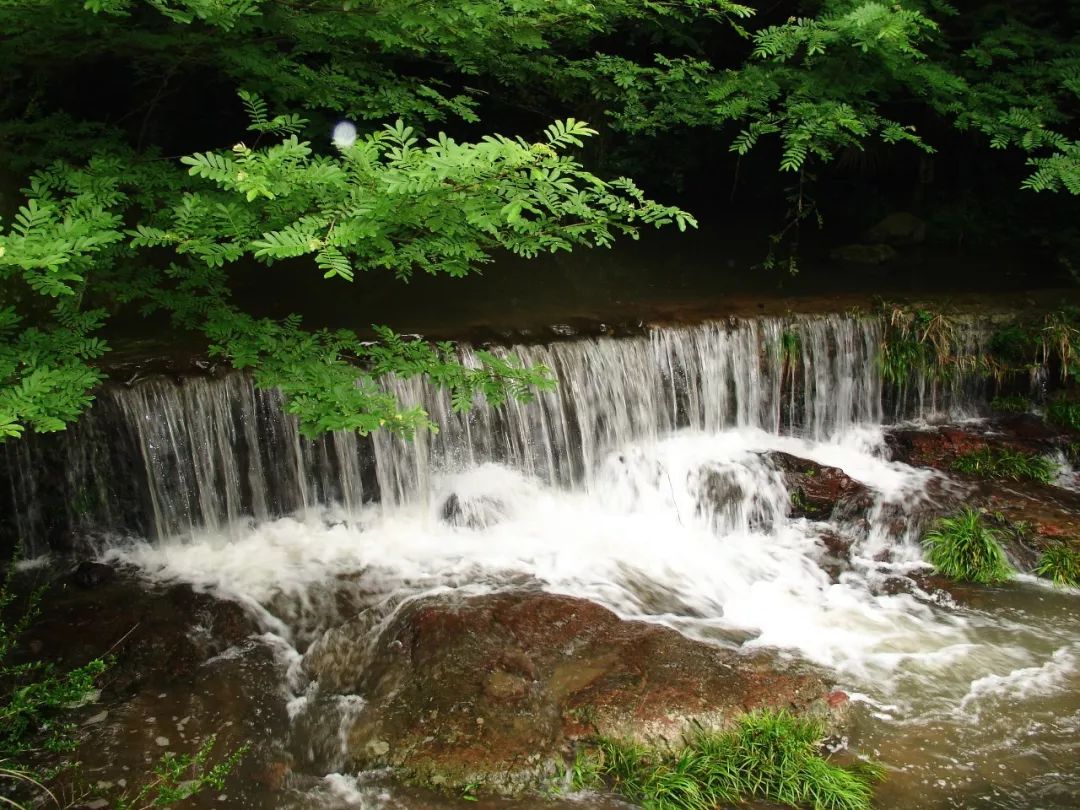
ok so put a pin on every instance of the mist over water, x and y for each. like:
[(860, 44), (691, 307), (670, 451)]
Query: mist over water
[(646, 483)]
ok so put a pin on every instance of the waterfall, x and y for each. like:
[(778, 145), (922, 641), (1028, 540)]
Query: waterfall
[(166, 457), (656, 480)]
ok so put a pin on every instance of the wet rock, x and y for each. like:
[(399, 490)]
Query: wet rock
[(472, 513), (185, 666), (898, 228), (1030, 515), (820, 492), (837, 698), (235, 697), (939, 447), (935, 447), (835, 556), (492, 690), (155, 636), (502, 685), (89, 574), (723, 499)]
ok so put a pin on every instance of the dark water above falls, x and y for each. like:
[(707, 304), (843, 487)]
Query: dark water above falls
[(604, 489)]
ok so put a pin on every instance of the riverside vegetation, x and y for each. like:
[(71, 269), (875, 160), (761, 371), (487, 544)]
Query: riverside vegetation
[(964, 548), (769, 756), (37, 735)]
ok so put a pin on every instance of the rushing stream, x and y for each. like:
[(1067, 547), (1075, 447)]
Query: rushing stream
[(643, 483)]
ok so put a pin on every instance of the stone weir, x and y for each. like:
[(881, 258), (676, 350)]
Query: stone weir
[(162, 457)]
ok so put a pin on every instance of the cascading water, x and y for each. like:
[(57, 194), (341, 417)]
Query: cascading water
[(163, 458), (647, 482)]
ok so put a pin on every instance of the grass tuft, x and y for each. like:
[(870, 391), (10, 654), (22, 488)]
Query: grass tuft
[(1005, 464), (1013, 403), (963, 547), (1064, 413), (769, 756), (1060, 564)]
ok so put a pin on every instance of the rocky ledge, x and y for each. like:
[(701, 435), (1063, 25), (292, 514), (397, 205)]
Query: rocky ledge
[(494, 691)]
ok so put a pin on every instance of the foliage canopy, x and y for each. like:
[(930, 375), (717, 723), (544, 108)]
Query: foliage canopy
[(131, 180)]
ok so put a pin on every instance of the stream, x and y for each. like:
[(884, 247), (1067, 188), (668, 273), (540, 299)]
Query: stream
[(644, 483)]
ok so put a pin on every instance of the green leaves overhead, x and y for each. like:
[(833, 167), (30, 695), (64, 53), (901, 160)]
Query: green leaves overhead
[(103, 97), (391, 201), (45, 376)]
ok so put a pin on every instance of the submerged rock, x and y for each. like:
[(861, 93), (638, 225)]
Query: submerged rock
[(493, 690), (723, 497), (89, 574), (154, 635), (184, 665)]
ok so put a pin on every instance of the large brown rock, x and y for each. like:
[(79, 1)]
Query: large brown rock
[(1031, 514), (821, 492), (493, 690), (939, 447)]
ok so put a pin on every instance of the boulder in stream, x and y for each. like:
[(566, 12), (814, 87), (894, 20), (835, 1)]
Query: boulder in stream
[(821, 492), (494, 690)]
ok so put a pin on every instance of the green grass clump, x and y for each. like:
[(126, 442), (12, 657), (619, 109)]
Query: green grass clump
[(1063, 413), (963, 547), (1060, 564), (769, 756), (1013, 403), (1004, 464)]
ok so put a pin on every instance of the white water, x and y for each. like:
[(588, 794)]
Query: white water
[(163, 458), (642, 538)]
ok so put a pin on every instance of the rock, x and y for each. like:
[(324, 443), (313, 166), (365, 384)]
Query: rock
[(723, 499), (492, 690), (186, 666), (502, 685), (236, 697), (90, 574), (899, 228), (472, 513), (1032, 515), (935, 447), (836, 553), (820, 492), (155, 636), (863, 254), (939, 447)]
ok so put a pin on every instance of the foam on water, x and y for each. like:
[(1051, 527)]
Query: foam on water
[(643, 538), (1025, 682)]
